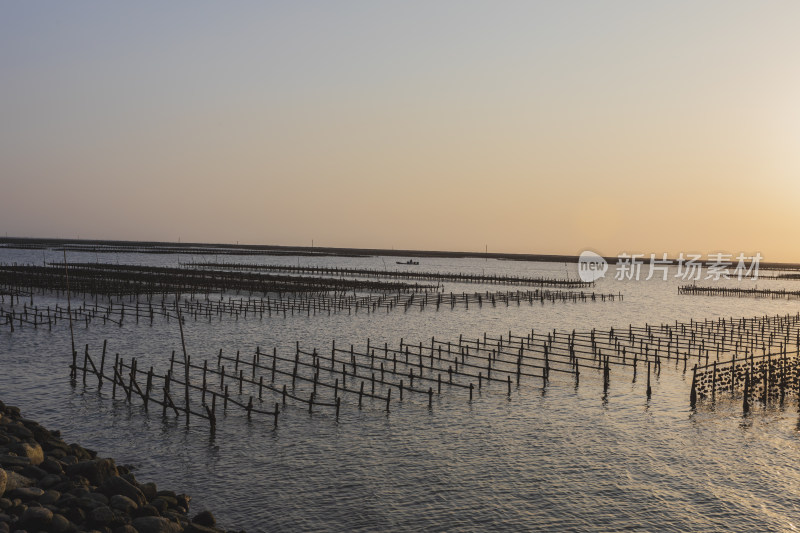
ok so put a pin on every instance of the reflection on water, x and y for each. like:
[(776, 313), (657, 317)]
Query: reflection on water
[(560, 457)]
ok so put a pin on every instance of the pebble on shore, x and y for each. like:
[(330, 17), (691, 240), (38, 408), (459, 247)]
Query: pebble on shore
[(49, 485)]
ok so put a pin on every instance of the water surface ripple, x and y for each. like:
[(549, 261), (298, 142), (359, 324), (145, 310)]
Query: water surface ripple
[(560, 458)]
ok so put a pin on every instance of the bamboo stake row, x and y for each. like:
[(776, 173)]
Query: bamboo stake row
[(739, 292), (452, 277), (260, 307)]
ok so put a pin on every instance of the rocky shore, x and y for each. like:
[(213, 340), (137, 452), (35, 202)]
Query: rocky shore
[(49, 485)]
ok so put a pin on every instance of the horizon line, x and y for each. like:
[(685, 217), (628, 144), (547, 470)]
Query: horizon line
[(41, 242)]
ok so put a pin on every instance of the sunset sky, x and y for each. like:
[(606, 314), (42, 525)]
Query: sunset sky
[(530, 127)]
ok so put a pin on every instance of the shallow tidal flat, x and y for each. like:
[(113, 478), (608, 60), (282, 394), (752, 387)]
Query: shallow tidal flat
[(593, 454)]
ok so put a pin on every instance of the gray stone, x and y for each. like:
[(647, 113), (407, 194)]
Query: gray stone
[(101, 516), (183, 500), (49, 480), (3, 479), (159, 504), (26, 493), (147, 510), (4, 528), (155, 524), (30, 424), (123, 503), (176, 517), (80, 492), (51, 466), (125, 529), (76, 515), (67, 500), (205, 518), (60, 524), (15, 481), (83, 454), (55, 447), (14, 460), (33, 472), (36, 518), (31, 451), (97, 471), (170, 500), (88, 504), (101, 498), (149, 490), (117, 485), (80, 481), (18, 430), (49, 497)]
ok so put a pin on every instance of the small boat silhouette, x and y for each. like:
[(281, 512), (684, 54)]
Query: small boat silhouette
[(409, 262)]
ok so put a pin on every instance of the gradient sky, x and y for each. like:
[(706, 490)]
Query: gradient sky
[(531, 127)]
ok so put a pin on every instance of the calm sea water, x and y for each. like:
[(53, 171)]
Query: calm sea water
[(560, 458)]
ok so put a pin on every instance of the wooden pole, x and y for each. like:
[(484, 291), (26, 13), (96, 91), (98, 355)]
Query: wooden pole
[(69, 314)]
